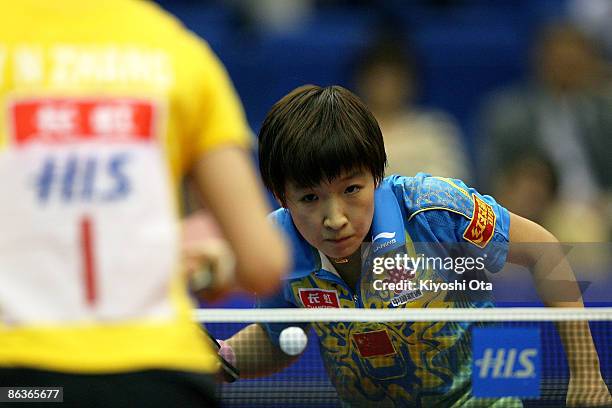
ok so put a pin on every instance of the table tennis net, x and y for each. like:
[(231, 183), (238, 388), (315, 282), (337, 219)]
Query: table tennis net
[(498, 357)]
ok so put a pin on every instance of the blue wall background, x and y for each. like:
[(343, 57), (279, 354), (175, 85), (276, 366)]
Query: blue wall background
[(466, 48)]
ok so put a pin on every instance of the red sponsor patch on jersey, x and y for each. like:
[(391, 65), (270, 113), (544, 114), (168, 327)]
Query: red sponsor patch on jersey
[(482, 227), (67, 120), (374, 343), (319, 298)]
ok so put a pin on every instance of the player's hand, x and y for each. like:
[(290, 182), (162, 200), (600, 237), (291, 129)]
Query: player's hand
[(210, 268), (227, 371), (588, 390), (226, 352), (207, 258)]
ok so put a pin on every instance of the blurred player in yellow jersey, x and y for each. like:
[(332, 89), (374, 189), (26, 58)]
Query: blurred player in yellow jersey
[(104, 107)]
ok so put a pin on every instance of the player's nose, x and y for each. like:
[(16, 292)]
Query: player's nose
[(334, 216)]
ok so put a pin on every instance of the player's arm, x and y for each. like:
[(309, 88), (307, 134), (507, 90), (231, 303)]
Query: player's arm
[(537, 249), (234, 195), (216, 136), (255, 354)]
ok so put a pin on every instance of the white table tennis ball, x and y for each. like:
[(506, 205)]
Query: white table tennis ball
[(293, 340)]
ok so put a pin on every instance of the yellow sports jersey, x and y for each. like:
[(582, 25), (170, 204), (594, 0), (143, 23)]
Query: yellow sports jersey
[(104, 107)]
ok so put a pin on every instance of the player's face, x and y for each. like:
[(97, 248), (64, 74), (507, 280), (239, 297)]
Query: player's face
[(334, 217)]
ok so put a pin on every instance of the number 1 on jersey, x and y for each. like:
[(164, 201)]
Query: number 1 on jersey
[(88, 260)]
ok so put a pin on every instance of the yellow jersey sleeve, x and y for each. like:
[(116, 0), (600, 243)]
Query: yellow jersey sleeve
[(217, 118)]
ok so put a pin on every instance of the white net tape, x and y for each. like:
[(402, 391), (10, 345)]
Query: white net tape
[(396, 315)]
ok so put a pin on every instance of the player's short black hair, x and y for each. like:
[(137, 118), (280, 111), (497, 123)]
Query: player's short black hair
[(314, 134)]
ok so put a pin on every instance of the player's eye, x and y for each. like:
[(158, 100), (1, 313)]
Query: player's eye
[(352, 189), (309, 198)]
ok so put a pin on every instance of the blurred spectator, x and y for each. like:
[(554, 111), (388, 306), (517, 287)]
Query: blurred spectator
[(415, 139), (532, 176), (276, 16), (593, 16), (565, 117)]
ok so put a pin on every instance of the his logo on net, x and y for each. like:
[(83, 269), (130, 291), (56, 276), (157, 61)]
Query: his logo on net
[(507, 362)]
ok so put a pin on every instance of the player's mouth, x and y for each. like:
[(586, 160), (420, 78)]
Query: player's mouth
[(340, 241)]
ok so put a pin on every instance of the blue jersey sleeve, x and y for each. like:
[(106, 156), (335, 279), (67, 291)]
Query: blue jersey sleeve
[(452, 212)]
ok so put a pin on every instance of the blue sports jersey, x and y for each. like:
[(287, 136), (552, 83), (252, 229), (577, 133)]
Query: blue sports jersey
[(424, 364)]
